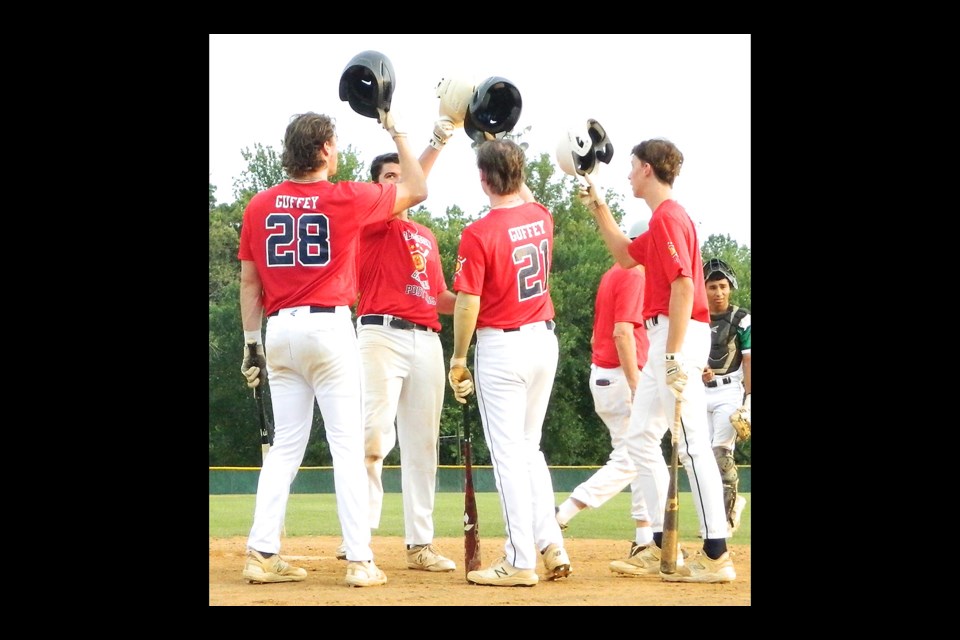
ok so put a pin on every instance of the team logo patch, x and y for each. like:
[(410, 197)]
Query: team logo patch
[(673, 252)]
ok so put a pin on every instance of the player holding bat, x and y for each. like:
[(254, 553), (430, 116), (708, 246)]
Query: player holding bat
[(297, 254), (678, 325)]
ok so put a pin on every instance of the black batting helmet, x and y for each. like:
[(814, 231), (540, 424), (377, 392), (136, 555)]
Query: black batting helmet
[(494, 108), (367, 83), (716, 265)]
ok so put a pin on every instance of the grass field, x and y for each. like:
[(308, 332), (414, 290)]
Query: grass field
[(316, 515)]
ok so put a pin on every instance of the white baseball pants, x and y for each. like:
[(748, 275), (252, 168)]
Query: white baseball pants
[(404, 380), (513, 374), (653, 410), (313, 357)]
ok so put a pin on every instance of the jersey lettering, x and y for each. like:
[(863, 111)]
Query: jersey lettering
[(310, 234), (526, 231)]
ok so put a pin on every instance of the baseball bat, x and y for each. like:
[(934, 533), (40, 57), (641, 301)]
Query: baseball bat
[(471, 532), (671, 514), (262, 414), (261, 409)]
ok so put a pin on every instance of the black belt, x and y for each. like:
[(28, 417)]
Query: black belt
[(651, 322), (550, 325), (396, 323), (312, 310), (725, 380)]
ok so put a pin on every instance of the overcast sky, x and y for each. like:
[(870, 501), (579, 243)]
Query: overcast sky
[(691, 89)]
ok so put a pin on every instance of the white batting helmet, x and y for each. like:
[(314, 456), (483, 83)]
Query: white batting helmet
[(580, 151), (454, 93), (637, 228)]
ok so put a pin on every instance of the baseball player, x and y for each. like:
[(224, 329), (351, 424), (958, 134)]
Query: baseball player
[(619, 350), (298, 265), (678, 326), (501, 279), (402, 290), (727, 378)]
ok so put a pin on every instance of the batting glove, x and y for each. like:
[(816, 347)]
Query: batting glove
[(386, 118), (676, 377), (442, 132), (254, 368), (593, 196), (460, 379)]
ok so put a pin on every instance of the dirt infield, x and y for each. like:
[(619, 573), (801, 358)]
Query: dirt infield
[(590, 584)]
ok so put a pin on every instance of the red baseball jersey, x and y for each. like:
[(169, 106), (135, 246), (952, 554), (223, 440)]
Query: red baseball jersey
[(400, 271), (619, 299), (670, 249), (505, 258), (303, 239)]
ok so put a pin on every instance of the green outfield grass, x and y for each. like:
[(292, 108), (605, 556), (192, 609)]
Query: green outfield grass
[(316, 515)]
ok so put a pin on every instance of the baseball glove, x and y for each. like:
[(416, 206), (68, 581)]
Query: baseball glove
[(740, 419)]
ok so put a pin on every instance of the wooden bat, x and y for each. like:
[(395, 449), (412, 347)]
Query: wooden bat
[(261, 409), (262, 414), (671, 513), (471, 532)]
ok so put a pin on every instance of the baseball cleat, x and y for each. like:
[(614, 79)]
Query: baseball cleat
[(643, 560), (342, 552), (503, 574), (703, 569), (425, 558), (260, 569), (557, 562), (365, 574), (563, 527)]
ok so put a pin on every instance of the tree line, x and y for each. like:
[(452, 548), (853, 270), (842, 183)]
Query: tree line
[(573, 434)]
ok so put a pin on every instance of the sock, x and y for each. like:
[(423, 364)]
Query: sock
[(658, 538), (566, 511), (713, 548), (644, 536)]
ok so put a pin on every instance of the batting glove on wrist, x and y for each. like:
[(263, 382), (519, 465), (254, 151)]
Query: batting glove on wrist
[(592, 196), (442, 132), (460, 379), (387, 119), (676, 377), (254, 368)]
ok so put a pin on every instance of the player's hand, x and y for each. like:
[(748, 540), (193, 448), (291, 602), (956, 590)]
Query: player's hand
[(676, 377), (389, 123), (442, 132), (460, 379), (253, 369), (593, 195)]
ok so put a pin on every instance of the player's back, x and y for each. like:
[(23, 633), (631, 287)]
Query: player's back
[(303, 238), (507, 259)]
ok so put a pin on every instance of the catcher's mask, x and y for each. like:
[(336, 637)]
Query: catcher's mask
[(716, 265), (367, 83)]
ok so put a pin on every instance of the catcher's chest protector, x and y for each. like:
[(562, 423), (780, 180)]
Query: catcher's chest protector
[(724, 355)]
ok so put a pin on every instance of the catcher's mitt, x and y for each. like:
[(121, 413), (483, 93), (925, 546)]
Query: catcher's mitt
[(740, 419)]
